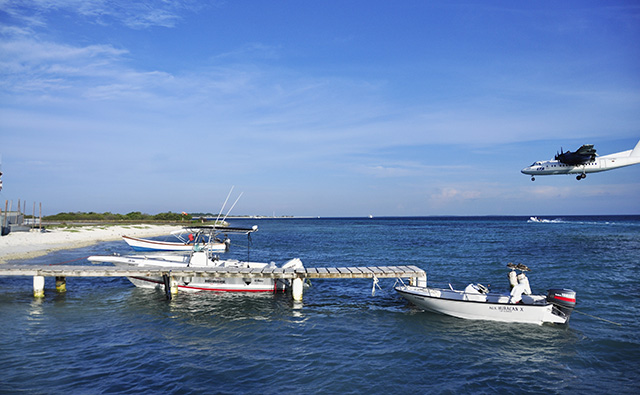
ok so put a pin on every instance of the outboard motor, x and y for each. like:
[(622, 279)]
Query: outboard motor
[(563, 300)]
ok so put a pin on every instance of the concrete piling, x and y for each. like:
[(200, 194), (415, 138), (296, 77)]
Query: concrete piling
[(38, 286), (297, 286)]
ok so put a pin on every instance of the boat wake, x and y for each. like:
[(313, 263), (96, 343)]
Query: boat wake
[(546, 221), (576, 222)]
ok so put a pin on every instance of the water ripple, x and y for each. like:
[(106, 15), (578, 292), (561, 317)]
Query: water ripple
[(105, 336)]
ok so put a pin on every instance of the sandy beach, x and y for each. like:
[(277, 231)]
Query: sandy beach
[(23, 245)]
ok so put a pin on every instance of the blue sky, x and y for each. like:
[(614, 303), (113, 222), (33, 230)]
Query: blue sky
[(328, 108)]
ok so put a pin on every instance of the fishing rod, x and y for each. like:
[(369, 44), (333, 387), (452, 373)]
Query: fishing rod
[(234, 204), (223, 204)]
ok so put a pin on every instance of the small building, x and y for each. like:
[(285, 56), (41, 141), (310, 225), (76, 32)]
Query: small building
[(13, 221)]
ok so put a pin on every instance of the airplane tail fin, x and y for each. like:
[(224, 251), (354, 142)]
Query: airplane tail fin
[(636, 151)]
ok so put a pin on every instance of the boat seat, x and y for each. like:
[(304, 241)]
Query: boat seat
[(472, 292), (516, 293), (534, 299)]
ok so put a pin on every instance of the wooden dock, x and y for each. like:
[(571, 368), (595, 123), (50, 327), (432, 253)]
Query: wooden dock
[(60, 272)]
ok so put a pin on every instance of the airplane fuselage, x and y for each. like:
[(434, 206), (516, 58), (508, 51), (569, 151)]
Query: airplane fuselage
[(600, 163)]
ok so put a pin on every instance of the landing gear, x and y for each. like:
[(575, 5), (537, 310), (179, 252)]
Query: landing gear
[(533, 178), (581, 176)]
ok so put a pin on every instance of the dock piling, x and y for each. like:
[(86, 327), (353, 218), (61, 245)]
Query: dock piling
[(173, 283), (61, 284), (38, 286), (167, 286), (297, 286)]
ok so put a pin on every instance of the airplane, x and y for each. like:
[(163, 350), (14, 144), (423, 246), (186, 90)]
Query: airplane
[(584, 160)]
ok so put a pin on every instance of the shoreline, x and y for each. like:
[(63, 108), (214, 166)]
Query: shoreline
[(26, 245)]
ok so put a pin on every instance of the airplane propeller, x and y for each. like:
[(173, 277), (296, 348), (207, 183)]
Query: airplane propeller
[(559, 155)]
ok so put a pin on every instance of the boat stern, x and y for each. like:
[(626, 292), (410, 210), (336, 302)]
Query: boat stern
[(563, 301)]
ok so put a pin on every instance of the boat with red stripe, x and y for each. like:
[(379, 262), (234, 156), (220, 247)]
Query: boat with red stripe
[(200, 259)]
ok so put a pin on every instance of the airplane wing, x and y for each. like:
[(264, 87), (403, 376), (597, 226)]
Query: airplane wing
[(586, 149), (582, 155)]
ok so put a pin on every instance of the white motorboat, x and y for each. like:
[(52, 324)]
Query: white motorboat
[(476, 302), (202, 258), (191, 238), (158, 245)]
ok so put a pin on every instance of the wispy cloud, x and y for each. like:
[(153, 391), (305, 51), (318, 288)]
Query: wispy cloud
[(408, 169), (448, 194), (133, 14), (436, 122), (25, 55)]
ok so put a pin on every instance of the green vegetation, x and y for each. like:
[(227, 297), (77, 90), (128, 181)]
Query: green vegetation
[(134, 216)]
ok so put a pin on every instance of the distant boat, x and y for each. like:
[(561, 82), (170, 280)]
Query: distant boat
[(191, 238)]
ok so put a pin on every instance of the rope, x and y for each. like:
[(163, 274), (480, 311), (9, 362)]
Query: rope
[(598, 318), (375, 283)]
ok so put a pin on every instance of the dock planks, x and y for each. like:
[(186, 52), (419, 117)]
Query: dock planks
[(169, 274), (115, 271)]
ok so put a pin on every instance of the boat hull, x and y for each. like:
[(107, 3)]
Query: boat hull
[(214, 284), (195, 283), (491, 307), (144, 245)]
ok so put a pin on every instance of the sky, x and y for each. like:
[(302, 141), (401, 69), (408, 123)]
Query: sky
[(316, 108)]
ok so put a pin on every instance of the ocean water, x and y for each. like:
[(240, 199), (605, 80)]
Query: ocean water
[(105, 336)]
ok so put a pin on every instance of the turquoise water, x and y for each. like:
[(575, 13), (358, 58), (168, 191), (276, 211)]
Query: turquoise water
[(106, 336)]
